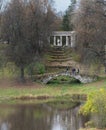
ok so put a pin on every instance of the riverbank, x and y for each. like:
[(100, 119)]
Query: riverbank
[(10, 89), (14, 92)]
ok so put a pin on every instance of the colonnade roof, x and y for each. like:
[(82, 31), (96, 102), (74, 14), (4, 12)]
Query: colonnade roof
[(62, 33)]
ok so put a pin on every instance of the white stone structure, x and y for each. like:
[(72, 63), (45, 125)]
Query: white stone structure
[(82, 78), (69, 36)]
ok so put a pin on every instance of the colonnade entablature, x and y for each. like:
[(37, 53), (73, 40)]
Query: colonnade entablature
[(63, 38)]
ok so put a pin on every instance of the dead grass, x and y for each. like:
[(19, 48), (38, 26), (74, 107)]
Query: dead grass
[(6, 83)]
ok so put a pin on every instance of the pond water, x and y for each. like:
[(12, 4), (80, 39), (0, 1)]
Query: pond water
[(39, 117)]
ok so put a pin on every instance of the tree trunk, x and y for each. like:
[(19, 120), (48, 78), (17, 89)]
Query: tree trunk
[(22, 74)]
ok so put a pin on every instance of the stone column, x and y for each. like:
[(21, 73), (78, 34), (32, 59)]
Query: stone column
[(54, 41), (60, 40), (73, 39), (67, 41), (48, 40)]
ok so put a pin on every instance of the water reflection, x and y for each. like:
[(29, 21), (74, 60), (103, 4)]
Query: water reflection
[(4, 126), (67, 120), (39, 117)]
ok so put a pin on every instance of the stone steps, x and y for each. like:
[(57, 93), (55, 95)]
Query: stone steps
[(59, 60), (59, 54), (59, 57), (56, 52)]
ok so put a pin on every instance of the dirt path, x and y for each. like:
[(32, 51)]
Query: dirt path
[(5, 83)]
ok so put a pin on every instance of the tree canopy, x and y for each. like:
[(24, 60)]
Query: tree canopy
[(90, 25), (67, 24), (26, 26)]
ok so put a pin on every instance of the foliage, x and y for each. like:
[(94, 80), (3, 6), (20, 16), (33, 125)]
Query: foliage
[(9, 71), (67, 24), (96, 106), (63, 80), (2, 56), (89, 22), (35, 68), (26, 26), (40, 68)]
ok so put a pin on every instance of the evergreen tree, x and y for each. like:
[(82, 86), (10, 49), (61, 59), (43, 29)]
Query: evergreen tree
[(67, 18), (66, 22)]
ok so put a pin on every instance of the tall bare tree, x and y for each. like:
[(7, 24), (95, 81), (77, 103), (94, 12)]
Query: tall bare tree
[(18, 50), (26, 25), (40, 18), (90, 26)]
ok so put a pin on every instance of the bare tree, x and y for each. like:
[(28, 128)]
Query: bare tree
[(18, 51), (90, 26), (26, 26)]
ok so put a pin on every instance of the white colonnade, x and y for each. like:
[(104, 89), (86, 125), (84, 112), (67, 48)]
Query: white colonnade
[(69, 38)]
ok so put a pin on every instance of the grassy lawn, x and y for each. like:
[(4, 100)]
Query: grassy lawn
[(10, 91), (34, 90)]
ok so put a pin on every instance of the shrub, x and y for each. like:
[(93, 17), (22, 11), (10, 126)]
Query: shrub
[(96, 106), (36, 68), (40, 68)]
